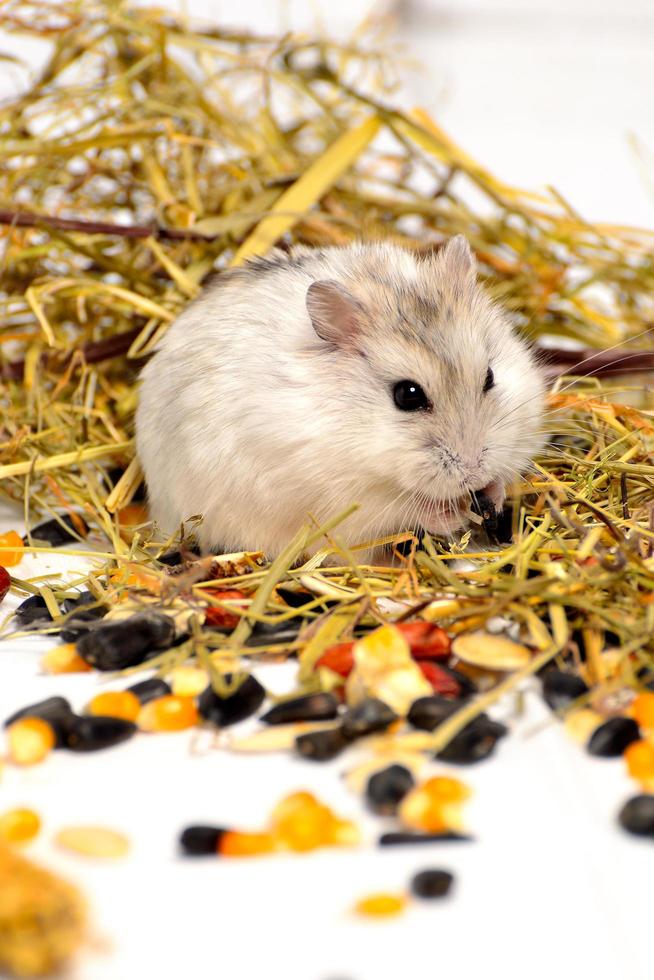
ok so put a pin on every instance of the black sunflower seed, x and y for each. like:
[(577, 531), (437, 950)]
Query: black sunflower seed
[(313, 707), (85, 605), (399, 837), (474, 743), (428, 713), (370, 715), (200, 840), (149, 690), (386, 789), (295, 599), (321, 746), (560, 688), (285, 632), (431, 883), (637, 815), (32, 610), (612, 737), (126, 642), (55, 710), (57, 532), (247, 699), (88, 733)]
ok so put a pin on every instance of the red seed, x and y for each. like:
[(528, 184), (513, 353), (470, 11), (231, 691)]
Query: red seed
[(5, 582), (339, 658), (216, 616), (441, 681), (427, 641)]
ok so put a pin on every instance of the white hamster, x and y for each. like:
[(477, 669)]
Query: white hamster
[(301, 383)]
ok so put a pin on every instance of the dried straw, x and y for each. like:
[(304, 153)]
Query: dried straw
[(148, 155)]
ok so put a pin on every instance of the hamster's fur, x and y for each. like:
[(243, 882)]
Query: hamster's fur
[(271, 397)]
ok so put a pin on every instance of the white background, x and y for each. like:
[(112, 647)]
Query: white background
[(543, 92)]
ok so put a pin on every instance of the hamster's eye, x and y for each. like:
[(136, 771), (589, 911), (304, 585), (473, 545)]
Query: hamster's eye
[(409, 396), (490, 380)]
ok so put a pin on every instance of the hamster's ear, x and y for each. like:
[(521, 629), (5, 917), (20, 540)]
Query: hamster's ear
[(336, 315), (457, 260)]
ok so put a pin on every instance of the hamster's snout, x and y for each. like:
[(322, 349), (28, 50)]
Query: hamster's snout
[(468, 469)]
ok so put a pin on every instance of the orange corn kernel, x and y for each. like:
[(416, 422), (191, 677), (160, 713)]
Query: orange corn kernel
[(115, 704), (236, 843), (300, 822), (10, 540), (381, 905), (639, 757), (435, 805), (133, 514), (19, 826), (642, 709), (170, 713), (30, 740), (63, 660)]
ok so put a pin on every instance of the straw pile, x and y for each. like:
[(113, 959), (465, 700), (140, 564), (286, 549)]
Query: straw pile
[(148, 155)]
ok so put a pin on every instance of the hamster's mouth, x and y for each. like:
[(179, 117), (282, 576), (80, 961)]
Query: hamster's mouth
[(444, 517)]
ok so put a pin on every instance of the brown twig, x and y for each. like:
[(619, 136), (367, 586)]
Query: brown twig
[(560, 361), (25, 219), (598, 363), (93, 352)]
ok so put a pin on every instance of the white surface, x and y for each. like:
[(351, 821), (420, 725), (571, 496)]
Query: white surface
[(549, 887), (541, 92)]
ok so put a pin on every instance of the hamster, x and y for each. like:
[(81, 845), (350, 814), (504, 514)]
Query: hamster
[(301, 383)]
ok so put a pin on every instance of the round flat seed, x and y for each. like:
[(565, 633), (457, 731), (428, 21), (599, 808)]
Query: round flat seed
[(381, 905), (490, 652), (93, 842)]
